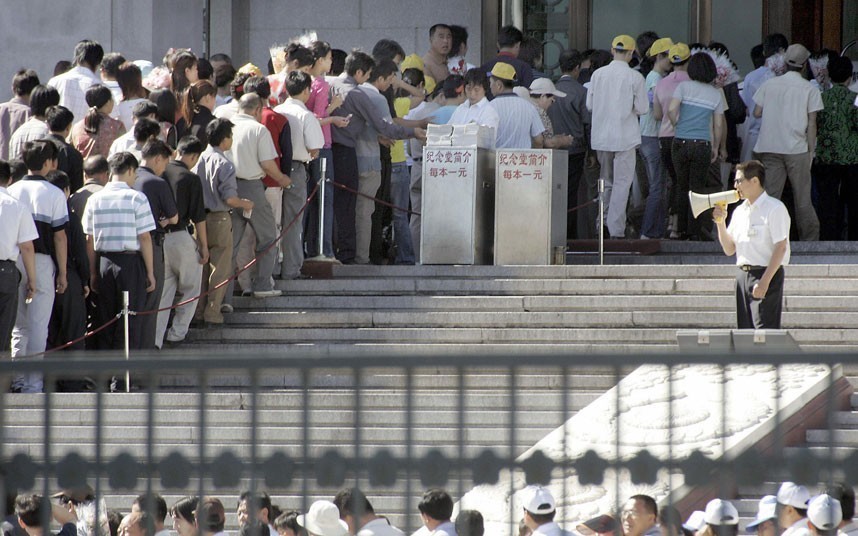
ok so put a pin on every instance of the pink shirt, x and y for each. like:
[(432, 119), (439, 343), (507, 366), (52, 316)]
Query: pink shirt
[(318, 104), (664, 93)]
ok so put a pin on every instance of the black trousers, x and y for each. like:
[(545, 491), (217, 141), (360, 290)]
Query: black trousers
[(838, 201), (10, 278), (345, 173), (119, 272), (68, 318), (691, 162), (752, 313), (574, 174)]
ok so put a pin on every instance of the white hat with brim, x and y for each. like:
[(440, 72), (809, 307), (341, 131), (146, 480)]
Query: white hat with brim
[(825, 512), (766, 511), (791, 494), (544, 86), (323, 519), (695, 521)]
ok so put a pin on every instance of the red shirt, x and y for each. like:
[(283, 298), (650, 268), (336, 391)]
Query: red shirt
[(274, 122)]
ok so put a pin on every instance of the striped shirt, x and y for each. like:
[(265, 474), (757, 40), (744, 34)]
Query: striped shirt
[(33, 129), (72, 86), (698, 103), (49, 208), (116, 216)]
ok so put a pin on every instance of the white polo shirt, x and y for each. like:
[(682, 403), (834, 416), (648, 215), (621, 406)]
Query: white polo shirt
[(16, 220), (251, 144), (304, 128), (786, 101), (756, 228), (72, 86), (617, 97), (481, 113)]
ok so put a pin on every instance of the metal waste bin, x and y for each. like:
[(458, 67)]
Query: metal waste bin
[(530, 205), (458, 205)]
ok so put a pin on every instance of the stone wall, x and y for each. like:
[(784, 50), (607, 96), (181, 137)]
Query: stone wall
[(38, 33)]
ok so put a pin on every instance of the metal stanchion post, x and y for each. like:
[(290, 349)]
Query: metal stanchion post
[(323, 182), (601, 222), (125, 300)]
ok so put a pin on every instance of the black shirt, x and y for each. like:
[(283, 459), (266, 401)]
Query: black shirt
[(159, 194), (200, 121), (188, 191), (70, 161)]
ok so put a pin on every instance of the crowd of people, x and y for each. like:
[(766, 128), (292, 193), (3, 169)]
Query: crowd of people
[(163, 181), (792, 512)]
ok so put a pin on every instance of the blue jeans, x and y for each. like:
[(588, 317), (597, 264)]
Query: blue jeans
[(400, 194), (311, 215), (655, 215)]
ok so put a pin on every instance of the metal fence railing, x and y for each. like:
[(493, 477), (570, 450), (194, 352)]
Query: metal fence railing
[(593, 428)]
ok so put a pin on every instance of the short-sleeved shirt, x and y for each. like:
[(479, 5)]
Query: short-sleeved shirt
[(49, 208), (251, 144), (649, 126), (217, 176), (750, 85), (72, 86), (786, 101), (518, 124), (837, 128), (481, 113), (664, 91), (698, 103), (304, 127), (756, 228), (188, 193), (366, 144), (161, 201), (79, 199), (98, 143), (13, 114), (33, 129), (318, 104), (16, 220), (115, 217)]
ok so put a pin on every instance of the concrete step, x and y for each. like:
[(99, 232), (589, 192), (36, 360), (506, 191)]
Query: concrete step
[(289, 304), (485, 319), (555, 286)]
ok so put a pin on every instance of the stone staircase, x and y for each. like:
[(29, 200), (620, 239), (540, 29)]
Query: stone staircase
[(614, 308)]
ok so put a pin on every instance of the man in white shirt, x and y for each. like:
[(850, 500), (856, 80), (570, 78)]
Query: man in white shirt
[(773, 44), (476, 109), (539, 511), (788, 105), (759, 236), (617, 96), (640, 516), (73, 84), (436, 509), (792, 506), (307, 140), (356, 510), (109, 68), (127, 142), (519, 124), (254, 154), (16, 241)]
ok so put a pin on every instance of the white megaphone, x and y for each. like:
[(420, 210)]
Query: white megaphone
[(702, 202)]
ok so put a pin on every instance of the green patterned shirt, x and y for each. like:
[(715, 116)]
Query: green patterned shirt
[(837, 128)]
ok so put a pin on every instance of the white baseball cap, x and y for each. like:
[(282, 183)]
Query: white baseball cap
[(323, 519), (792, 494), (544, 86), (537, 500), (825, 512), (719, 512), (695, 521), (765, 512)]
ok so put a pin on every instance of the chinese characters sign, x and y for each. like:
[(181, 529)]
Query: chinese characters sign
[(448, 162), (522, 165)]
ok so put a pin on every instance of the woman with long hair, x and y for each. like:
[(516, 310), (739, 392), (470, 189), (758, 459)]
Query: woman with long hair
[(130, 80), (167, 108), (198, 102), (184, 71), (697, 113), (97, 131)]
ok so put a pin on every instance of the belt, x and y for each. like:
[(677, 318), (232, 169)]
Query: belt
[(682, 140), (213, 212), (123, 252), (750, 268), (6, 261), (168, 230)]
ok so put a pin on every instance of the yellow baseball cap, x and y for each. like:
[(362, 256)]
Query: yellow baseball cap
[(660, 46), (504, 71), (679, 53), (251, 69), (412, 61), (623, 42)]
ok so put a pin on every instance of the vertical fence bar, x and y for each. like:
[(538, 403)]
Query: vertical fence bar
[(150, 438), (46, 452), (305, 436), (254, 425), (201, 451), (99, 425), (724, 480), (323, 183), (409, 439), (125, 323), (461, 431), (601, 226), (357, 424), (511, 407), (616, 462), (564, 418)]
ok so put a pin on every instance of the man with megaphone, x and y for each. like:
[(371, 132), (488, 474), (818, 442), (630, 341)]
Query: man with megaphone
[(759, 236)]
